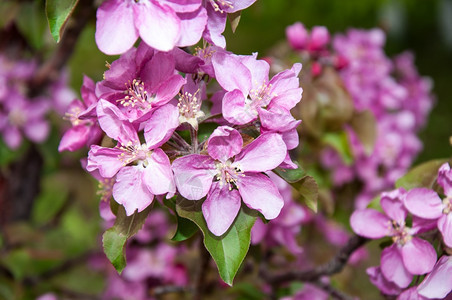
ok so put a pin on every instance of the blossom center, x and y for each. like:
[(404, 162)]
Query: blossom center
[(400, 233), (136, 95), (189, 108), (228, 175), (134, 152), (260, 96), (221, 5), (447, 205)]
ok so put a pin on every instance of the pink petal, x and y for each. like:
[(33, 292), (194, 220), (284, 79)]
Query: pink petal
[(161, 125), (259, 70), (220, 208), (278, 120), (158, 176), (445, 179), (370, 223), (238, 5), (115, 28), (230, 73), (377, 279), (224, 143), (192, 27), (115, 123), (260, 193), (182, 6), (12, 137), (424, 203), (193, 175), (158, 25), (393, 268), (258, 231), (291, 139), (263, 154), (37, 131), (445, 226), (130, 190), (74, 139), (413, 250), (410, 294), (168, 90), (106, 160), (287, 99), (438, 284), (297, 36), (157, 70), (392, 204), (216, 24), (234, 109)]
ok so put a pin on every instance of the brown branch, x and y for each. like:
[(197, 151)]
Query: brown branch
[(200, 284), (335, 265), (335, 294), (169, 289)]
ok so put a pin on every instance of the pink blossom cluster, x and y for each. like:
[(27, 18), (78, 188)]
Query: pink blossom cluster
[(392, 90), (163, 24), (152, 114), (412, 219), (22, 111)]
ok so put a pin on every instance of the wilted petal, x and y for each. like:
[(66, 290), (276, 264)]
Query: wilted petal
[(260, 193), (413, 250), (158, 25), (393, 268), (424, 203), (370, 223), (224, 143), (220, 208), (193, 175), (158, 176), (115, 28), (130, 190), (263, 154), (438, 284)]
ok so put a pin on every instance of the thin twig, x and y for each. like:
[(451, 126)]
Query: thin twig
[(336, 294), (335, 265), (204, 257)]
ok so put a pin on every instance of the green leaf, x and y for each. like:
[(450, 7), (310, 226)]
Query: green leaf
[(365, 127), (228, 250), (423, 175), (291, 175), (115, 238), (58, 13), (339, 142), (309, 192), (234, 19), (185, 229)]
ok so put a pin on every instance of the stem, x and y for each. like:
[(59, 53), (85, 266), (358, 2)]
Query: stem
[(194, 140), (204, 258), (183, 145), (335, 294)]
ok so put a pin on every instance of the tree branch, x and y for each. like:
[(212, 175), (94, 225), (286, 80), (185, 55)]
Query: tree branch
[(335, 265)]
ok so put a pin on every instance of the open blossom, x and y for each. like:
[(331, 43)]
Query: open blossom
[(142, 170), (229, 173), (426, 203), (162, 24), (140, 81), (400, 261)]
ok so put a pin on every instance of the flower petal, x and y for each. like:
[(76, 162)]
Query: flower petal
[(106, 160), (413, 250), (115, 28), (234, 109), (130, 190), (370, 223), (74, 139), (424, 203), (158, 25), (260, 193), (161, 125), (445, 226), (230, 73), (393, 268), (220, 208), (192, 27), (158, 176), (193, 175), (263, 154), (438, 284), (224, 143)]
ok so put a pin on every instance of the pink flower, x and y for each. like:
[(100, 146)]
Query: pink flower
[(162, 24), (438, 284), (229, 173), (426, 203), (142, 170), (400, 261)]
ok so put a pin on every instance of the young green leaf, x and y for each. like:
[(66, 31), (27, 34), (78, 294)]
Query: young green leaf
[(115, 238), (185, 229), (228, 250), (58, 13), (309, 192), (339, 141), (423, 175), (291, 175)]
